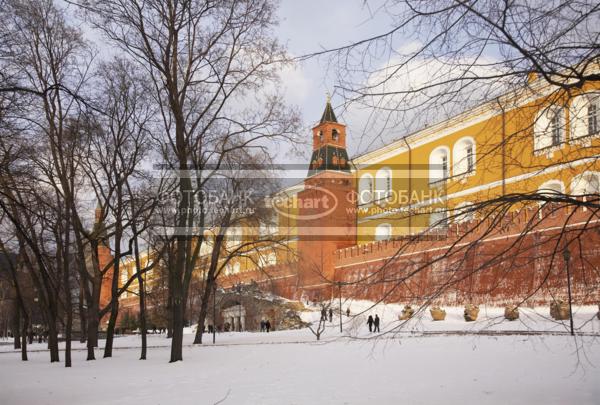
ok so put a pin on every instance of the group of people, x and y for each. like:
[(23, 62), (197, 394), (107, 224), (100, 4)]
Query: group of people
[(265, 325), (373, 323), (324, 314)]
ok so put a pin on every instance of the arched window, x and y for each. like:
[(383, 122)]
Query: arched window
[(464, 156), (438, 164), (552, 188), (365, 189), (438, 219), (585, 184), (207, 244), (548, 129), (585, 115), (267, 259), (383, 184), (464, 212), (266, 227), (335, 134), (233, 236), (383, 232)]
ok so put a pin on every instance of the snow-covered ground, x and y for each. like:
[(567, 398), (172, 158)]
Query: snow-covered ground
[(289, 367)]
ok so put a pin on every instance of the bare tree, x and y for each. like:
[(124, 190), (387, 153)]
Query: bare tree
[(441, 58), (205, 60)]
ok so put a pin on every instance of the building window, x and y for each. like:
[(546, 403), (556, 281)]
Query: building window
[(383, 184), (556, 128), (464, 156), (265, 260), (592, 117), (548, 128), (464, 212), (470, 159), (552, 188), (438, 219), (586, 184), (234, 237), (439, 164), (334, 135), (383, 232), (584, 115), (365, 189), (267, 228)]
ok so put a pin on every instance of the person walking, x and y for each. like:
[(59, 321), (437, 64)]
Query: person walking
[(262, 325), (323, 314), (376, 323), (370, 323), (348, 312), (267, 325), (330, 315)]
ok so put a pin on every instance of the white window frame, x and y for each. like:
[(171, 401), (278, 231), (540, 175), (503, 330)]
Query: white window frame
[(383, 184), (438, 219), (365, 190), (383, 231), (580, 184), (462, 164), (459, 216), (437, 166), (581, 121), (544, 129), (552, 187)]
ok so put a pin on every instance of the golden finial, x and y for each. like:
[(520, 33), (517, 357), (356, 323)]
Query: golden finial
[(328, 97)]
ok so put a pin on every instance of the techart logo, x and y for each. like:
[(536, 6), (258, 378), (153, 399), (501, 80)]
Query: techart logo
[(305, 202)]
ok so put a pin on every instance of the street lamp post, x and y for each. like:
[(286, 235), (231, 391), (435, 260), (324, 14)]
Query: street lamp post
[(567, 257)]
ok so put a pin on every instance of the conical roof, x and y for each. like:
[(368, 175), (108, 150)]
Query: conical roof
[(328, 114)]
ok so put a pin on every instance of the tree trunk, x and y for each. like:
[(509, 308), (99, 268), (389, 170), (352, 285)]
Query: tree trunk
[(177, 319), (69, 313), (68, 335), (93, 319), (203, 311), (16, 328), (143, 326), (24, 336), (110, 330), (82, 318), (92, 337), (53, 340)]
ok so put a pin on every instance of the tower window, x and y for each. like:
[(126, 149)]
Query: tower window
[(321, 136), (334, 135)]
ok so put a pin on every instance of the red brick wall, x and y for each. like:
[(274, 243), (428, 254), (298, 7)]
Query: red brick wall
[(503, 266)]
